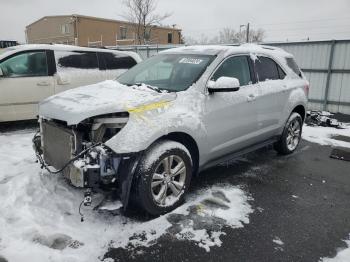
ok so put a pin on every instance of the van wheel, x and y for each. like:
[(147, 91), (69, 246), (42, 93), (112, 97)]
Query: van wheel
[(291, 135), (163, 177)]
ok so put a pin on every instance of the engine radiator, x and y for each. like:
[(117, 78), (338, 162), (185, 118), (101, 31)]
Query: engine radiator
[(59, 144)]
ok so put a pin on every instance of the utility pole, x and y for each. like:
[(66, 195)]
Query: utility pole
[(248, 33)]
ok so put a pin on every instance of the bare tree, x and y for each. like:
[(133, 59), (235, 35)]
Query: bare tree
[(257, 36), (142, 14), (228, 36)]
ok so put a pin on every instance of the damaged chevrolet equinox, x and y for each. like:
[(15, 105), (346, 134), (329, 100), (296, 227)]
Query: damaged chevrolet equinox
[(147, 133)]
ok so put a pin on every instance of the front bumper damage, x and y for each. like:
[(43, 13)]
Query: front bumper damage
[(94, 167)]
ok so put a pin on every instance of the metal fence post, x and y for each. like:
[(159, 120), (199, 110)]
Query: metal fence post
[(147, 51), (329, 73)]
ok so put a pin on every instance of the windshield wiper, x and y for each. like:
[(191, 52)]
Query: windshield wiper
[(154, 88)]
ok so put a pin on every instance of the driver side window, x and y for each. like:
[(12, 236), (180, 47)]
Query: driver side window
[(25, 65), (236, 67)]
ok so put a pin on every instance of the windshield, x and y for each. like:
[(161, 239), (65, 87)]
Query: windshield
[(171, 72)]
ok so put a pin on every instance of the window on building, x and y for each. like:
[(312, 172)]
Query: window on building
[(25, 64), (110, 61), (170, 38), (123, 32), (65, 29), (80, 60), (267, 69), (236, 67)]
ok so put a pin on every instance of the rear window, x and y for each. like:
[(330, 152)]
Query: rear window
[(293, 65), (112, 61), (267, 69), (73, 59)]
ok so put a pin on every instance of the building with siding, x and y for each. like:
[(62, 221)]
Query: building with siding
[(93, 31)]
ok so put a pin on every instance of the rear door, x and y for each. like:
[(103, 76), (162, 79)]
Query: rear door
[(76, 68), (114, 64), (231, 117), (273, 95), (27, 79)]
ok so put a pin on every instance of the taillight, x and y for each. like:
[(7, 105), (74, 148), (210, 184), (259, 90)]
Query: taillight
[(307, 89)]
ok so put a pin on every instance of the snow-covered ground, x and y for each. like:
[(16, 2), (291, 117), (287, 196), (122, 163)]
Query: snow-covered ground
[(39, 214), (323, 135), (342, 256)]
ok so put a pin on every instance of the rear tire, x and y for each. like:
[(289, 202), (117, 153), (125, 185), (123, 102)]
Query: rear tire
[(163, 177), (291, 135)]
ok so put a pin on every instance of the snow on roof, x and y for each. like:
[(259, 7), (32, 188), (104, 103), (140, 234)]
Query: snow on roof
[(244, 48), (56, 47), (60, 47)]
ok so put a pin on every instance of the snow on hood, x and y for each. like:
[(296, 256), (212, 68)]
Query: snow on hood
[(76, 105)]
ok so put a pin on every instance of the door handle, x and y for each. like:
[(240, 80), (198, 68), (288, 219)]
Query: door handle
[(43, 83), (251, 98)]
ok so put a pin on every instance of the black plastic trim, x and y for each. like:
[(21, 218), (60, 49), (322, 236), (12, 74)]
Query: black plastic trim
[(238, 153)]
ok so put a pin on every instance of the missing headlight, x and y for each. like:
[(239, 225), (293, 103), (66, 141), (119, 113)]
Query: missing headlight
[(104, 127)]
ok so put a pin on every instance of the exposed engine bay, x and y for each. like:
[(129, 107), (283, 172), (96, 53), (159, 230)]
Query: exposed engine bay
[(79, 153)]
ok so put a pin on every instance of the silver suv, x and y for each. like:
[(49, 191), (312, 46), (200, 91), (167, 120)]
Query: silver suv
[(148, 133)]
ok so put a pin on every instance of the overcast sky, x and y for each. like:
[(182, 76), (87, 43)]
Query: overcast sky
[(281, 19)]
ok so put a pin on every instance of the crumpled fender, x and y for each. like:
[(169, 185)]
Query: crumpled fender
[(155, 121)]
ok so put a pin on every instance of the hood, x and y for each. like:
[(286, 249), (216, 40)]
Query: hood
[(76, 105)]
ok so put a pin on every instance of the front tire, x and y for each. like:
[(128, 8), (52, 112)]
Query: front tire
[(163, 177), (291, 135)]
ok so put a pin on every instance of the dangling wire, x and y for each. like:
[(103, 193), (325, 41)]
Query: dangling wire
[(44, 165)]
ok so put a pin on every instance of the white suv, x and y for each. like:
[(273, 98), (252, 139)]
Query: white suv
[(30, 73), (171, 116)]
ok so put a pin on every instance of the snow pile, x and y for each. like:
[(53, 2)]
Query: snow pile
[(323, 135), (342, 256), (202, 218), (39, 217), (278, 241)]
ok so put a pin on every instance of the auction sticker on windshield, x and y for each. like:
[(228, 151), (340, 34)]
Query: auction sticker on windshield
[(194, 61)]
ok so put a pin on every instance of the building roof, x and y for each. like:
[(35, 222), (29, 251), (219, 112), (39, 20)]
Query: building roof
[(97, 18)]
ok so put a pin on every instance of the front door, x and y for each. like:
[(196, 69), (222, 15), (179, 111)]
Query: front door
[(25, 81), (231, 117)]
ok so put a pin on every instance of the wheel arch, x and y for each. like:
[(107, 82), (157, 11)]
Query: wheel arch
[(189, 142), (300, 109)]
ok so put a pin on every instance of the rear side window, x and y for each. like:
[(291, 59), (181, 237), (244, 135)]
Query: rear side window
[(236, 67), (112, 61), (25, 65), (73, 59), (266, 69), (293, 65)]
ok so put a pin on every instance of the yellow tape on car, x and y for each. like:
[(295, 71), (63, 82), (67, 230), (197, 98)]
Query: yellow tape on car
[(149, 107)]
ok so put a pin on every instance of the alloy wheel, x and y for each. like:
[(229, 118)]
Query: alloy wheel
[(293, 137), (168, 180)]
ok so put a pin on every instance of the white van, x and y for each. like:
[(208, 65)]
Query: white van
[(30, 73)]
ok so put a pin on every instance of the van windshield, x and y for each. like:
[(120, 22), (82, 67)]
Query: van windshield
[(171, 72)]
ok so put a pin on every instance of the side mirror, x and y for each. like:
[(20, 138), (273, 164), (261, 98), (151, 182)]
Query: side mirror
[(224, 84), (1, 72)]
